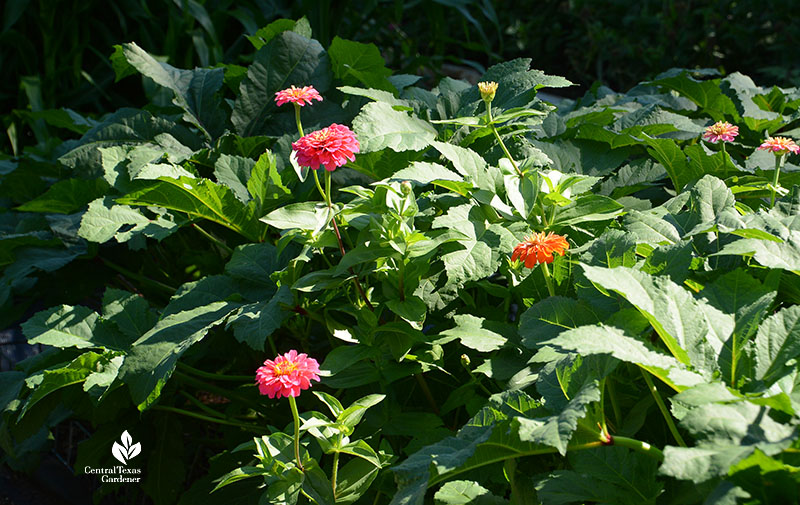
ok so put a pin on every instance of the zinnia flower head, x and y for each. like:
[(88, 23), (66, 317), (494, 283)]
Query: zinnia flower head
[(487, 89), (721, 130), (287, 375), (331, 147), (780, 146), (539, 248), (300, 96)]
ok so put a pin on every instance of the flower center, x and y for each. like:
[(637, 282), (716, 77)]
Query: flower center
[(284, 368), (322, 134)]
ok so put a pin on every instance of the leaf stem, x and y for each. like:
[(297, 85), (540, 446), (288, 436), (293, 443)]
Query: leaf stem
[(630, 443), (638, 446), (215, 376), (124, 271), (187, 413), (200, 405), (614, 403), (296, 416), (499, 139), (222, 245), (216, 389), (663, 408), (603, 405)]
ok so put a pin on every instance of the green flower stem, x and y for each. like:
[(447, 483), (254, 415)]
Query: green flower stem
[(778, 165), (296, 416), (725, 156), (215, 376), (145, 280), (297, 120), (335, 472), (222, 245), (663, 408), (187, 413), (328, 188), (548, 280), (319, 186), (499, 139)]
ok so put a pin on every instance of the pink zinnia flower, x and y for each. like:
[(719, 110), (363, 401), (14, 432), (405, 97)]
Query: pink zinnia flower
[(721, 130), (287, 375), (331, 146), (780, 146), (300, 96)]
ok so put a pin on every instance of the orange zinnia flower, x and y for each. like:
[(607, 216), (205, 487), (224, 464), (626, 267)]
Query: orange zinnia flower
[(539, 248)]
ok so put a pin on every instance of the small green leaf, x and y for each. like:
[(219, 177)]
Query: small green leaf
[(777, 343), (466, 492), (63, 326), (356, 62), (478, 333)]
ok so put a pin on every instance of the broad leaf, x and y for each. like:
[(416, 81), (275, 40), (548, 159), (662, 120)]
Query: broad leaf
[(378, 126), (152, 359), (195, 90), (288, 59), (481, 247), (199, 198)]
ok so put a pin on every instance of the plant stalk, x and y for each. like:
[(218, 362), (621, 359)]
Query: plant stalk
[(297, 119), (778, 165), (335, 473), (327, 196), (296, 416), (548, 280)]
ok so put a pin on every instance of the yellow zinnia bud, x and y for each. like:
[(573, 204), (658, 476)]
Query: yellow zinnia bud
[(487, 89)]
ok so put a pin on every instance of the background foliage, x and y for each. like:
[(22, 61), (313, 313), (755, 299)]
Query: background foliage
[(159, 246)]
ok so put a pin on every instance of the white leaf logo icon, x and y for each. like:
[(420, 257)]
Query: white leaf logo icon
[(127, 450)]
